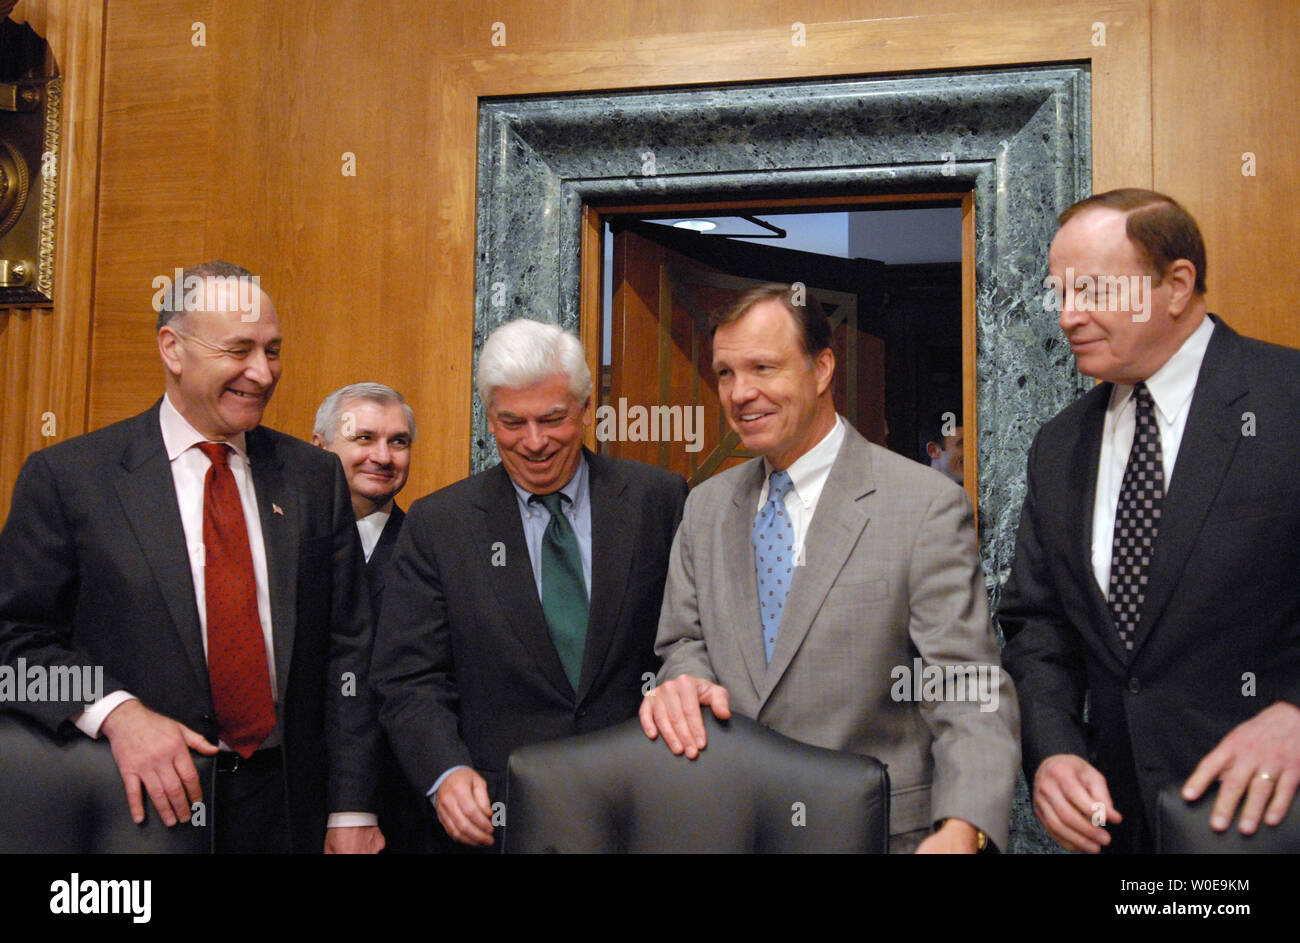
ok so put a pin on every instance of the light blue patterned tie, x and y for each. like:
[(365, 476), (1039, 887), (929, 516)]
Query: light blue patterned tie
[(773, 558)]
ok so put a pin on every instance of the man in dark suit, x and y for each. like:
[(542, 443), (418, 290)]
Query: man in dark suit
[(521, 602), (370, 427), (1155, 568), (211, 568)]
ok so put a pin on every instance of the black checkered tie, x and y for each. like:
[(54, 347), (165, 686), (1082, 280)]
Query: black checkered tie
[(1137, 519)]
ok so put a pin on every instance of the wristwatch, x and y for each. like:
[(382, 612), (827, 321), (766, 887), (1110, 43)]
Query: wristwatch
[(981, 839)]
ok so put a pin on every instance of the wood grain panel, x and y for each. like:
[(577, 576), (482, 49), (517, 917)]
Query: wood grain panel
[(1001, 34), (45, 351), (234, 150), (970, 401), (260, 119), (156, 127), (1225, 83)]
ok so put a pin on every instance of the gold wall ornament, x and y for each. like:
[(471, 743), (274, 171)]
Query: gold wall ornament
[(13, 186), (29, 174)]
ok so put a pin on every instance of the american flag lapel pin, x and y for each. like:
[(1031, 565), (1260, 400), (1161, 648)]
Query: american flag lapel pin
[(276, 509)]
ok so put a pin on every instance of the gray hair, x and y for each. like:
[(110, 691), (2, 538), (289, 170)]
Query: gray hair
[(327, 417), (171, 303), (523, 352)]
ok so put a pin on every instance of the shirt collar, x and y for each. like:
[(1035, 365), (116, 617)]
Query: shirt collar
[(1174, 383), (814, 463), (377, 519), (179, 436), (574, 490), (370, 528)]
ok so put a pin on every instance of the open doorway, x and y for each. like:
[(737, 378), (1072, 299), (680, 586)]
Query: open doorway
[(887, 271)]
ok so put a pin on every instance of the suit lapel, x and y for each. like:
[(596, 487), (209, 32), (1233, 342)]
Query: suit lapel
[(144, 485), (613, 529), (842, 515), (280, 532), (739, 584), (1080, 498), (513, 585), (377, 565), (1209, 442)]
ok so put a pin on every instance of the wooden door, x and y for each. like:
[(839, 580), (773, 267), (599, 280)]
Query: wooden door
[(659, 403)]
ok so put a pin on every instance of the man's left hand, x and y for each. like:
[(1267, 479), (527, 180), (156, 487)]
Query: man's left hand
[(1260, 759), (355, 840), (956, 837)]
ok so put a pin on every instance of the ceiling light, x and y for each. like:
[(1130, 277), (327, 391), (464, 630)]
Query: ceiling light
[(699, 225)]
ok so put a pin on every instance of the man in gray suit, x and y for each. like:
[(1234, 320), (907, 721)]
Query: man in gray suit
[(831, 590)]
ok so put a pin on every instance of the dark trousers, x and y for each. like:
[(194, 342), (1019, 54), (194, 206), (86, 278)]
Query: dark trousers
[(406, 818), (250, 808)]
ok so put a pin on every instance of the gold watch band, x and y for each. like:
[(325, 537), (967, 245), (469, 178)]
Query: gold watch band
[(981, 839)]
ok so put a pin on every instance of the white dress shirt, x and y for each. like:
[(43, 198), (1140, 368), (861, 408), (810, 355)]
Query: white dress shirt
[(808, 475), (371, 527), (189, 466), (1171, 389)]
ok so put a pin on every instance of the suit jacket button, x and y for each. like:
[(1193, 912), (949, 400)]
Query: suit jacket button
[(582, 712), (1134, 685)]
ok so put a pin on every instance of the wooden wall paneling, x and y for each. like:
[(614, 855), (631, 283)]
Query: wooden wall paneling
[(157, 127), (233, 149), (590, 311), (45, 351), (997, 36), (969, 410), (333, 237), (261, 117), (21, 427), (348, 257), (373, 274), (1225, 84)]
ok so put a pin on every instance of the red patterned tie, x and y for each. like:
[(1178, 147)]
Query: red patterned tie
[(237, 671)]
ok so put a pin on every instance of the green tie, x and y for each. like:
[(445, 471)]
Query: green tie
[(564, 593)]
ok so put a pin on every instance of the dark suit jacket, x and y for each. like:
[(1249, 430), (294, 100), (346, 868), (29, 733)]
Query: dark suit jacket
[(1219, 638), (94, 571), (377, 565), (405, 816), (464, 664)]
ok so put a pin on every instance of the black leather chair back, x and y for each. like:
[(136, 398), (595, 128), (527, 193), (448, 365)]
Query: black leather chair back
[(1183, 828), (66, 796), (750, 790)]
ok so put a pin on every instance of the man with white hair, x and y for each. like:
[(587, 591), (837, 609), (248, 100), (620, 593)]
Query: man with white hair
[(521, 602)]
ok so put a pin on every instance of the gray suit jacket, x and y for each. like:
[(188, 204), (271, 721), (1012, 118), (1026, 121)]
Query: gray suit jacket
[(890, 575)]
